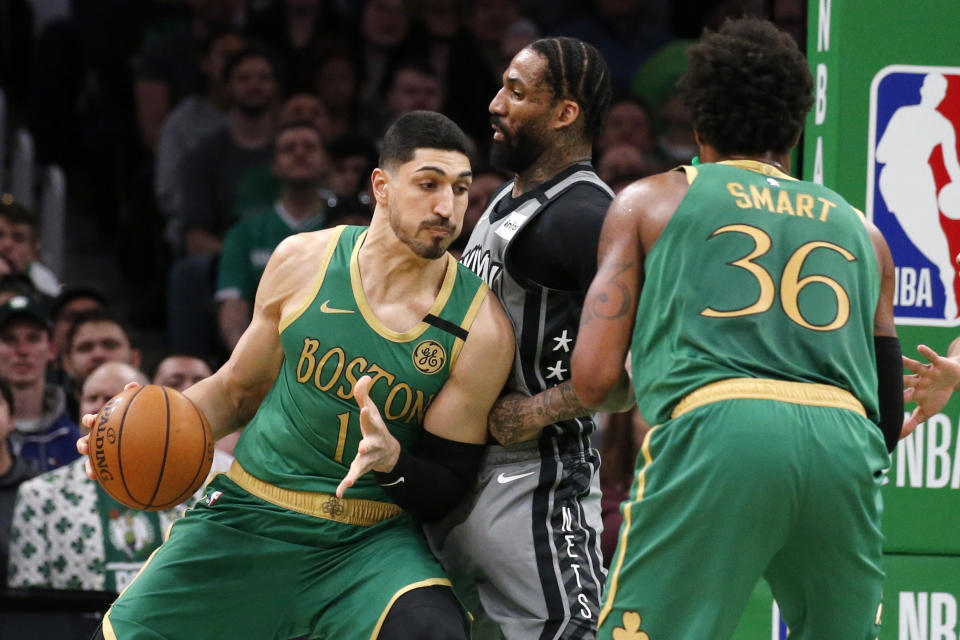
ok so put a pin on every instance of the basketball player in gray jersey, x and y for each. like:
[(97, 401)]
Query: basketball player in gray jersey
[(523, 550)]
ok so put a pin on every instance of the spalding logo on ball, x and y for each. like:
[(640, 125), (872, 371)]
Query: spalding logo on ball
[(151, 447)]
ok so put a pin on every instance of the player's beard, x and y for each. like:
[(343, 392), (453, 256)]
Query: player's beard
[(518, 150), (432, 249)]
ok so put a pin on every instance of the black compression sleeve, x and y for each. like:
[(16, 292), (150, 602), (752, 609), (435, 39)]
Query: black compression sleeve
[(432, 481), (890, 388)]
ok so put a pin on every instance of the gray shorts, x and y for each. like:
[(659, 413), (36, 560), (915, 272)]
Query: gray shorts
[(523, 550)]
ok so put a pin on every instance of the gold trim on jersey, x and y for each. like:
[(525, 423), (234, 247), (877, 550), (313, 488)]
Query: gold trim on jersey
[(807, 393), (107, 627), (449, 279), (468, 319), (765, 168), (287, 320), (355, 511), (690, 172), (429, 582), (614, 578)]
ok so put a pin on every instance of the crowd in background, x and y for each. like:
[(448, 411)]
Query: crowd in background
[(195, 136)]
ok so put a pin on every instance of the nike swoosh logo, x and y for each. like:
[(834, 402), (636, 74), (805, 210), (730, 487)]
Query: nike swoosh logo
[(397, 481), (326, 308), (504, 478)]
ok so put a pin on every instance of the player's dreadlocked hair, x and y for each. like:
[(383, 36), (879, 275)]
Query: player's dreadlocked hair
[(576, 71), (748, 88)]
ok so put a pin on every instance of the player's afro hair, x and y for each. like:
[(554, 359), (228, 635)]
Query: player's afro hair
[(748, 88)]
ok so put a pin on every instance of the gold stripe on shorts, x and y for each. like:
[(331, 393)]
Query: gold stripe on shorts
[(819, 395), (312, 503)]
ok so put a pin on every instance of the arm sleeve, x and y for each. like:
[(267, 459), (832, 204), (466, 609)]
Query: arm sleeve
[(890, 388), (432, 481), (29, 563), (558, 249)]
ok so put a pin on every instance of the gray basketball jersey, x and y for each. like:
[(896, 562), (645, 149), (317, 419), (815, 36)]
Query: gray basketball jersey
[(544, 320)]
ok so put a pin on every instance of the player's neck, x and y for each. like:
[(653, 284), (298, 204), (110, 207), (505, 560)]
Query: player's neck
[(779, 160), (549, 164), (28, 399), (391, 272)]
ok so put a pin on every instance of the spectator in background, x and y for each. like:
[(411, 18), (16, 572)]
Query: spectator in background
[(45, 435), (13, 471), (20, 245), (96, 336), (213, 170), (628, 122), (352, 160), (196, 116), (440, 37), (335, 81), (168, 70), (624, 33), (17, 284), (294, 28), (489, 20), (383, 28), (299, 163), (621, 164), (66, 308), (259, 188), (212, 174), (181, 371), (411, 84), (68, 533), (655, 84), (518, 35)]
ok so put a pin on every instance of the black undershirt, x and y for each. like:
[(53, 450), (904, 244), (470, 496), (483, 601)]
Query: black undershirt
[(558, 248)]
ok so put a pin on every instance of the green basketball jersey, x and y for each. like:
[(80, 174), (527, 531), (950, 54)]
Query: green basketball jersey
[(757, 275), (306, 432)]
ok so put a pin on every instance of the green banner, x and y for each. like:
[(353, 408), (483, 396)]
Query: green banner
[(883, 132)]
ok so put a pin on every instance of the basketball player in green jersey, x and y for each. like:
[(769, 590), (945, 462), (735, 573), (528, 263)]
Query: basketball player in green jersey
[(369, 350), (762, 333)]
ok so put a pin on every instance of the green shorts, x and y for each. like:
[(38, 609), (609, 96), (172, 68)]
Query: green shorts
[(742, 489), (236, 566)]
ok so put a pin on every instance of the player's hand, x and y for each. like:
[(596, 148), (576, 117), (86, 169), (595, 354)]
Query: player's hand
[(83, 444), (378, 450), (930, 386)]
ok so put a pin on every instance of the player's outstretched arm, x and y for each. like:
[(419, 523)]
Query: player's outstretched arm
[(433, 478), (930, 385), (231, 396), (611, 306)]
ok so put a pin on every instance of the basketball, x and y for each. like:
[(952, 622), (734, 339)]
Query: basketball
[(949, 201), (150, 447)]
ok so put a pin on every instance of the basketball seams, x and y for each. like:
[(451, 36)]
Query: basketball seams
[(166, 449), (123, 420), (200, 469)]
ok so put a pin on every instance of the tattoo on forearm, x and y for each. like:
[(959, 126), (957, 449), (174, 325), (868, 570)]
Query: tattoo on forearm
[(518, 418)]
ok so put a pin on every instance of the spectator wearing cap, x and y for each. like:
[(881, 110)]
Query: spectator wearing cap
[(20, 245), (13, 471), (45, 435)]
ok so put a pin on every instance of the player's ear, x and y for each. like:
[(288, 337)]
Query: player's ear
[(566, 114), (381, 182)]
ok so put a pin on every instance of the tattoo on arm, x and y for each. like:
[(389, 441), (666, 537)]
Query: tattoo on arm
[(613, 300), (518, 418)]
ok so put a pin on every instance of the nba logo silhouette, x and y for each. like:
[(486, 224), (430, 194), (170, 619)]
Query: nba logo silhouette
[(913, 186)]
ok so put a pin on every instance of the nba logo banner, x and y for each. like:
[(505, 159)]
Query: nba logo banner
[(913, 186)]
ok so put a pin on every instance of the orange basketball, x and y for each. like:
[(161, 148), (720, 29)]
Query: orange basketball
[(150, 447)]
